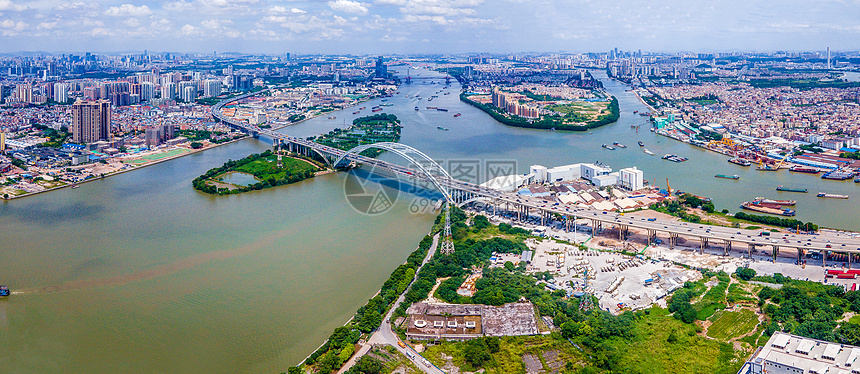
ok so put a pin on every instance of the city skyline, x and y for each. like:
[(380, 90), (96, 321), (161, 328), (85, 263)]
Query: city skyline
[(429, 26)]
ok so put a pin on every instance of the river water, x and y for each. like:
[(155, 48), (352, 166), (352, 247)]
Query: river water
[(140, 273)]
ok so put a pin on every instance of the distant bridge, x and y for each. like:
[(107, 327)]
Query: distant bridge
[(520, 208)]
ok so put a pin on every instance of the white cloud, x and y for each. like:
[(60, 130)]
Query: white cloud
[(391, 2), (348, 6), (128, 10), (132, 22), (47, 25), (8, 5), (441, 7), (189, 30), (213, 24), (280, 9)]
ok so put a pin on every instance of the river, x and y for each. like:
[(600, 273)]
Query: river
[(140, 273)]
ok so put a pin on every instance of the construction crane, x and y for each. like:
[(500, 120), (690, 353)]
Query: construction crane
[(668, 188)]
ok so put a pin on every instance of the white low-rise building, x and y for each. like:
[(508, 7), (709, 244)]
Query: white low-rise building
[(786, 353), (631, 178)]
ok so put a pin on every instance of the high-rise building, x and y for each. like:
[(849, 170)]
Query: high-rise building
[(61, 92), (188, 94), (381, 69), (90, 121), (168, 91), (2, 142), (24, 92), (211, 88), (147, 91)]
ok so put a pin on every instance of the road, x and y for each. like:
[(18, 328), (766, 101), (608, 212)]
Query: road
[(385, 335)]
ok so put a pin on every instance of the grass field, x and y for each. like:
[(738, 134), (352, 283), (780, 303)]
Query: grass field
[(733, 324), (663, 344), (509, 359), (268, 168), (158, 156)]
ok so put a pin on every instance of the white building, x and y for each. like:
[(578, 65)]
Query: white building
[(168, 91), (61, 92), (785, 353), (188, 94), (631, 178), (567, 172), (211, 88), (147, 91)]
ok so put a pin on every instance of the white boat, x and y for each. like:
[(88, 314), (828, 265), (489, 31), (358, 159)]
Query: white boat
[(648, 152)]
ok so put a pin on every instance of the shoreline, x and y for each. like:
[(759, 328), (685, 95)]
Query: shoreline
[(118, 172)]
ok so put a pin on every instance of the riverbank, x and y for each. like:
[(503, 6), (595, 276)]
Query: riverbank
[(131, 167)]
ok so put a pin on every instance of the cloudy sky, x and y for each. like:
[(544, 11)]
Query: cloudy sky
[(433, 26)]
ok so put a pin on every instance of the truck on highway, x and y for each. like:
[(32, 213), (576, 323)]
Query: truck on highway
[(401, 344)]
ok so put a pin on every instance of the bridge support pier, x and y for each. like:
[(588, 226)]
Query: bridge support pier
[(727, 247), (799, 256), (750, 248), (824, 259), (652, 235), (775, 252), (703, 243), (673, 239)]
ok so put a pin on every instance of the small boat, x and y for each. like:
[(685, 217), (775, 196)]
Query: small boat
[(332, 117), (441, 128), (457, 115), (431, 107), (442, 109), (635, 111), (648, 152), (832, 196), (837, 175), (362, 108), (640, 143), (735, 177), (764, 209), (619, 145), (356, 112), (775, 202), (674, 158), (376, 110), (789, 189), (4, 291), (609, 147), (416, 108), (804, 169), (857, 180), (740, 161), (75, 186)]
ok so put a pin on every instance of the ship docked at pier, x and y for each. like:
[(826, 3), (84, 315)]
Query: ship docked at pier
[(740, 161), (804, 169), (838, 175), (756, 206)]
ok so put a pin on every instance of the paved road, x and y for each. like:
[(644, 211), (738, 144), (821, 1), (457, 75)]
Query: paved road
[(385, 335)]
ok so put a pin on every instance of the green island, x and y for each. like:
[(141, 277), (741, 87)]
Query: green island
[(268, 169), (574, 116), (364, 130), (271, 169)]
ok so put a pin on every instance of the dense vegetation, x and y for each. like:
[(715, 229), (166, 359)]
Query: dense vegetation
[(546, 122), (263, 167), (215, 137), (55, 138), (776, 221), (364, 130)]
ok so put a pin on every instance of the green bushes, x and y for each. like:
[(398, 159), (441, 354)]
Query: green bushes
[(776, 221)]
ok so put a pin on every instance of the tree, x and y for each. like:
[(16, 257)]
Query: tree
[(294, 370), (476, 352), (745, 273), (196, 145)]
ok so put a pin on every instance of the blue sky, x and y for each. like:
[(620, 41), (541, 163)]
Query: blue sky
[(432, 26)]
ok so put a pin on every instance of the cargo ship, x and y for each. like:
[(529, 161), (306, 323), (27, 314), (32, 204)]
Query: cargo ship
[(674, 158), (775, 202), (619, 145), (356, 112), (376, 110), (431, 107), (648, 152), (789, 189), (740, 161), (609, 147), (735, 177), (832, 195), (442, 109), (763, 209), (804, 169), (441, 128), (837, 175), (457, 115)]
